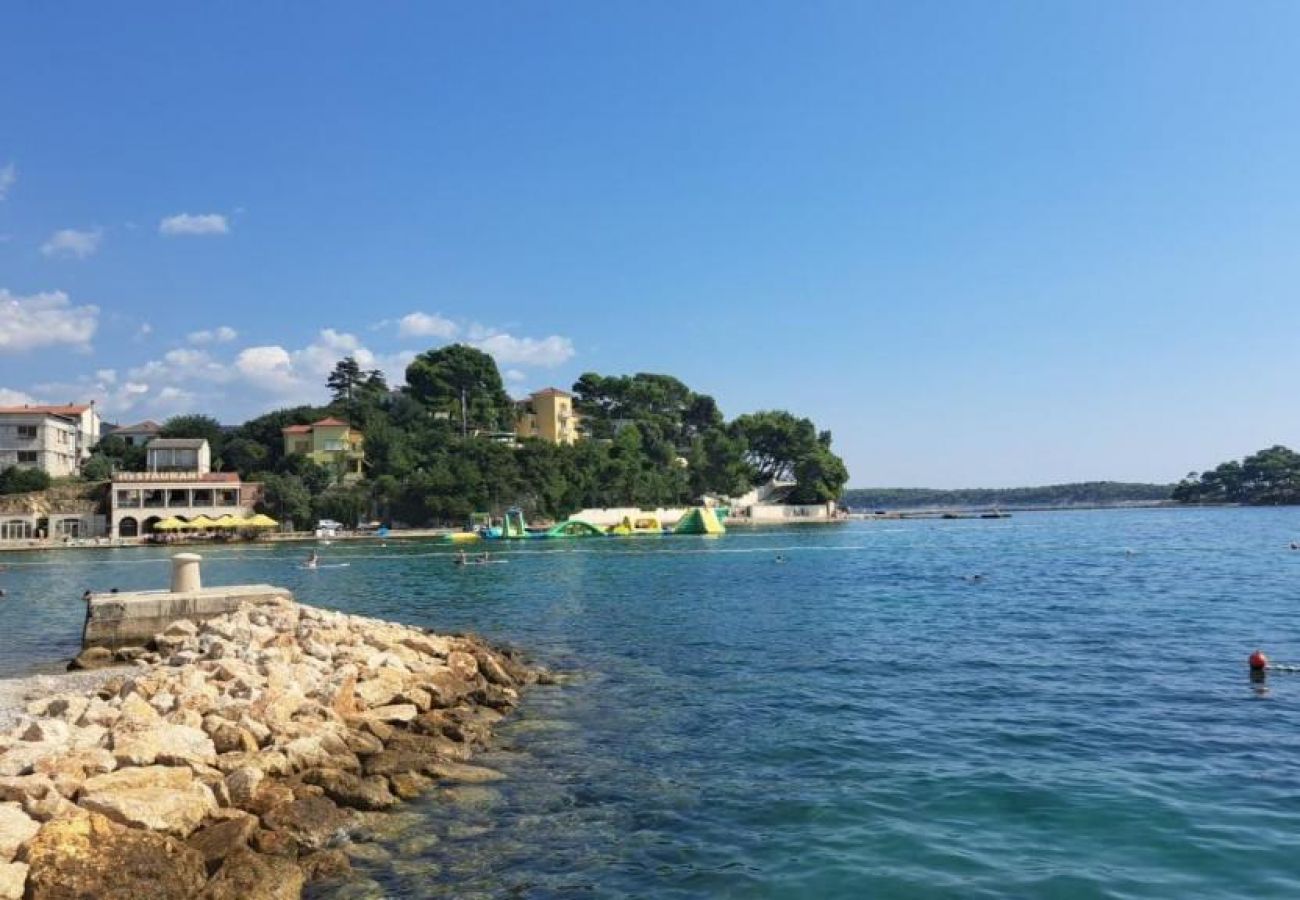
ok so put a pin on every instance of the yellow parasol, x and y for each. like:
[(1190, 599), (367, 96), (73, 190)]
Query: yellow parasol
[(171, 524), (227, 521), (202, 521), (261, 520)]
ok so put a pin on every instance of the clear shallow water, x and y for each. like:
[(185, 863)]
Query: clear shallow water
[(856, 722)]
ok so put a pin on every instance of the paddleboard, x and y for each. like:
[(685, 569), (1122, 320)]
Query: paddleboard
[(326, 566)]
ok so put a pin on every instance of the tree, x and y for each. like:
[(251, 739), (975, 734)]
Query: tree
[(14, 480), (820, 477), (1270, 477), (98, 468), (345, 379), (349, 383), (122, 456), (775, 441), (462, 382), (346, 505), (286, 498)]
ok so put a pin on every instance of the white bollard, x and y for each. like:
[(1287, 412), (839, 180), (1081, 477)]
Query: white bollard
[(185, 572)]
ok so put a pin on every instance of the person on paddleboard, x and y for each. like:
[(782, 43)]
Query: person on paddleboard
[(313, 560)]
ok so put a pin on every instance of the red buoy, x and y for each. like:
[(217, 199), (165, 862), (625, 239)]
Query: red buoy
[(1258, 661)]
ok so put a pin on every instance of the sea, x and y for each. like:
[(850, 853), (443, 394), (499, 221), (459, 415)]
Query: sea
[(1055, 705)]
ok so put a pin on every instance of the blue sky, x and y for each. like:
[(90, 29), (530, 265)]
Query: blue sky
[(983, 243)]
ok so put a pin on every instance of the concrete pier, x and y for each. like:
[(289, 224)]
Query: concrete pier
[(133, 618)]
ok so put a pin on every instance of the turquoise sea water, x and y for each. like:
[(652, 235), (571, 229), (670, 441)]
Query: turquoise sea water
[(858, 721)]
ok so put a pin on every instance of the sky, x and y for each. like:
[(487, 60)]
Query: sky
[(985, 244)]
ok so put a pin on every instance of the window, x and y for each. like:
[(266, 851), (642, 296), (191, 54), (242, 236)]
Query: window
[(128, 499), (15, 530), (178, 497), (203, 497), (154, 498), (27, 432), (334, 446), (227, 497), (27, 457)]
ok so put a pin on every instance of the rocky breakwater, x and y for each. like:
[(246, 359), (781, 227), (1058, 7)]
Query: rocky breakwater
[(239, 756)]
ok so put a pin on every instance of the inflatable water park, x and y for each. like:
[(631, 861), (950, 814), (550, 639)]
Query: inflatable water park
[(482, 527)]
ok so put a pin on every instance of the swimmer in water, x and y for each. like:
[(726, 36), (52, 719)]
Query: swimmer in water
[(977, 578), (780, 558), (313, 560), (462, 559)]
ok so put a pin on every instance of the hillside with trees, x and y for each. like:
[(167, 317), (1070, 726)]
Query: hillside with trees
[(435, 452), (1086, 493), (1270, 477)]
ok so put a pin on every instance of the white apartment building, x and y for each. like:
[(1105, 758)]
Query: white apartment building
[(54, 439)]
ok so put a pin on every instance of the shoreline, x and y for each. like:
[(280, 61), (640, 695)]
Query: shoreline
[(241, 757)]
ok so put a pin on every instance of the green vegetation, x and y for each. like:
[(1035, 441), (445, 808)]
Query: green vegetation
[(1087, 493), (14, 480), (1268, 478), (435, 453)]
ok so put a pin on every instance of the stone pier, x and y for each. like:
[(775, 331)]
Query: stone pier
[(132, 618)]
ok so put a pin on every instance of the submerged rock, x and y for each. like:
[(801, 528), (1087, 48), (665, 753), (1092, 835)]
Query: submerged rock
[(246, 875)]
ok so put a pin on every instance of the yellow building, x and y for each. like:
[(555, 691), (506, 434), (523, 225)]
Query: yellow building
[(547, 415), (331, 442)]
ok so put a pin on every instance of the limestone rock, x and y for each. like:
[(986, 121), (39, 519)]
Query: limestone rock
[(409, 785), (242, 784), (464, 774), (380, 689), (269, 762), (462, 665), (21, 758), (347, 789), (399, 712), (219, 840), (493, 671), (16, 829), (312, 822), (92, 658), (159, 798), (91, 857), (325, 864), (13, 880), (19, 788), (246, 875)]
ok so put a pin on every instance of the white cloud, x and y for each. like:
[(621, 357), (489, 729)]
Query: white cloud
[(222, 335), (514, 376), (44, 320), (10, 397), (69, 243), (526, 351), (143, 331), (418, 324), (8, 175), (270, 367), (186, 224), (107, 376)]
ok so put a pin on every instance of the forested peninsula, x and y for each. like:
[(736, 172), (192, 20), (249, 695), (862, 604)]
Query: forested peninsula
[(1270, 477), (442, 446), (1086, 493)]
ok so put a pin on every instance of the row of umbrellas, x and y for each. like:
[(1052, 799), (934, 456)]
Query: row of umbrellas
[(203, 523)]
